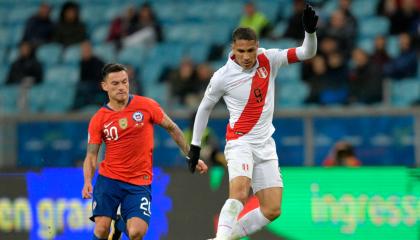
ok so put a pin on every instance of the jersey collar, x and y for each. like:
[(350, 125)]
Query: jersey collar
[(130, 96)]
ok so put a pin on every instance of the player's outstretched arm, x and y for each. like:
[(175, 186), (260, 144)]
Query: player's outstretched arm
[(309, 45), (178, 136), (89, 167)]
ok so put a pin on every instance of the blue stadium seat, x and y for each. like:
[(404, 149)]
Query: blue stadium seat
[(60, 99), (16, 37), (37, 97), (167, 53), (4, 70), (291, 73), (49, 54), (4, 39), (393, 46), (99, 34), (105, 51), (62, 74), (363, 9), (291, 95), (158, 92), (19, 14), (367, 44), (374, 26), (13, 55), (132, 55), (71, 54), (9, 96), (150, 73), (198, 52), (404, 92)]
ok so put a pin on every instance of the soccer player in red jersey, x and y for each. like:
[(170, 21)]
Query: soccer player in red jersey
[(125, 125)]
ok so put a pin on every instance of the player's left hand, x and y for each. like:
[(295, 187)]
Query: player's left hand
[(201, 167), (309, 19)]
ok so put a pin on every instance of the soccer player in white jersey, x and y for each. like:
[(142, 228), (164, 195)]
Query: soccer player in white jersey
[(246, 83)]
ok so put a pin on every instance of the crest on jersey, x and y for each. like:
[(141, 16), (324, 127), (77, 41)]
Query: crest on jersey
[(123, 122), (138, 116), (262, 72)]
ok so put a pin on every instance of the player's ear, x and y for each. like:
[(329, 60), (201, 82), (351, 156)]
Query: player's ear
[(104, 86)]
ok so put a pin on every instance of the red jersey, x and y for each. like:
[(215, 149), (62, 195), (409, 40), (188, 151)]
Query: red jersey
[(128, 136)]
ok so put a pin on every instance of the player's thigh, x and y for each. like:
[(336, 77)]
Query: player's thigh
[(107, 196), (239, 159), (266, 175), (239, 188), (137, 203)]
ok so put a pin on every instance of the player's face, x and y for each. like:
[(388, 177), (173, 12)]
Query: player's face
[(117, 86), (245, 52)]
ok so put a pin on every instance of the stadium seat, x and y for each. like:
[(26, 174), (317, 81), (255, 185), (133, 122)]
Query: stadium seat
[(363, 9), (132, 55), (291, 73), (13, 55), (167, 53), (291, 95), (18, 15), (367, 44), (105, 51), (4, 70), (158, 92), (37, 97), (404, 92), (60, 99), (4, 39), (49, 54), (100, 34), (71, 54), (374, 26), (198, 52), (393, 46), (16, 37), (62, 74), (150, 73), (9, 96)]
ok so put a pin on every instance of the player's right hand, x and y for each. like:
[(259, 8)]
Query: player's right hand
[(193, 156), (87, 190)]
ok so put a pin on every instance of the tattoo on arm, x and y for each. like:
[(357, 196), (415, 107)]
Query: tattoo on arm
[(93, 149), (176, 134)]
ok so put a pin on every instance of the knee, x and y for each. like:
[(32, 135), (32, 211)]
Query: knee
[(271, 213), (136, 233), (101, 230)]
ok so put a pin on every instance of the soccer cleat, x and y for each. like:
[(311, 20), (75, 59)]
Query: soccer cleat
[(115, 234)]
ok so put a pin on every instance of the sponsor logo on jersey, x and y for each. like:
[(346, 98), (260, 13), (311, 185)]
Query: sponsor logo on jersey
[(123, 122), (138, 116), (262, 72)]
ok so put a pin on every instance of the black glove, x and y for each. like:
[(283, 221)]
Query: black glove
[(193, 156), (309, 19)]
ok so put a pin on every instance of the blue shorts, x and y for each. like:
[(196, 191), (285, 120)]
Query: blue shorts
[(108, 194)]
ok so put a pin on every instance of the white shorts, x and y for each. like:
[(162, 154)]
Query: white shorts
[(259, 162)]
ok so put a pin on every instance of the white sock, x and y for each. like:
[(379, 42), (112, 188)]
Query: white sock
[(227, 218), (249, 224)]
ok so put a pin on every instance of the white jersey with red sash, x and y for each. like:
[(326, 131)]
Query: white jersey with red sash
[(249, 94)]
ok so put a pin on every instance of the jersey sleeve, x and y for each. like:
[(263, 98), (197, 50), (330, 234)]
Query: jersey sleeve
[(94, 131), (156, 112), (279, 57), (215, 89)]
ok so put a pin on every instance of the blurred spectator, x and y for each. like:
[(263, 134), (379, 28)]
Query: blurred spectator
[(145, 30), (402, 16), (350, 19), (294, 27), (340, 30), (380, 55), (202, 74), (70, 29), (365, 80), (335, 88), (135, 83), (88, 91), (181, 81), (26, 68), (404, 65), (120, 26), (342, 154), (39, 28), (316, 81), (255, 20)]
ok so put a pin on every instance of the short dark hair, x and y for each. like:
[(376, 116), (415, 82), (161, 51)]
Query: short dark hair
[(112, 67), (244, 33)]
